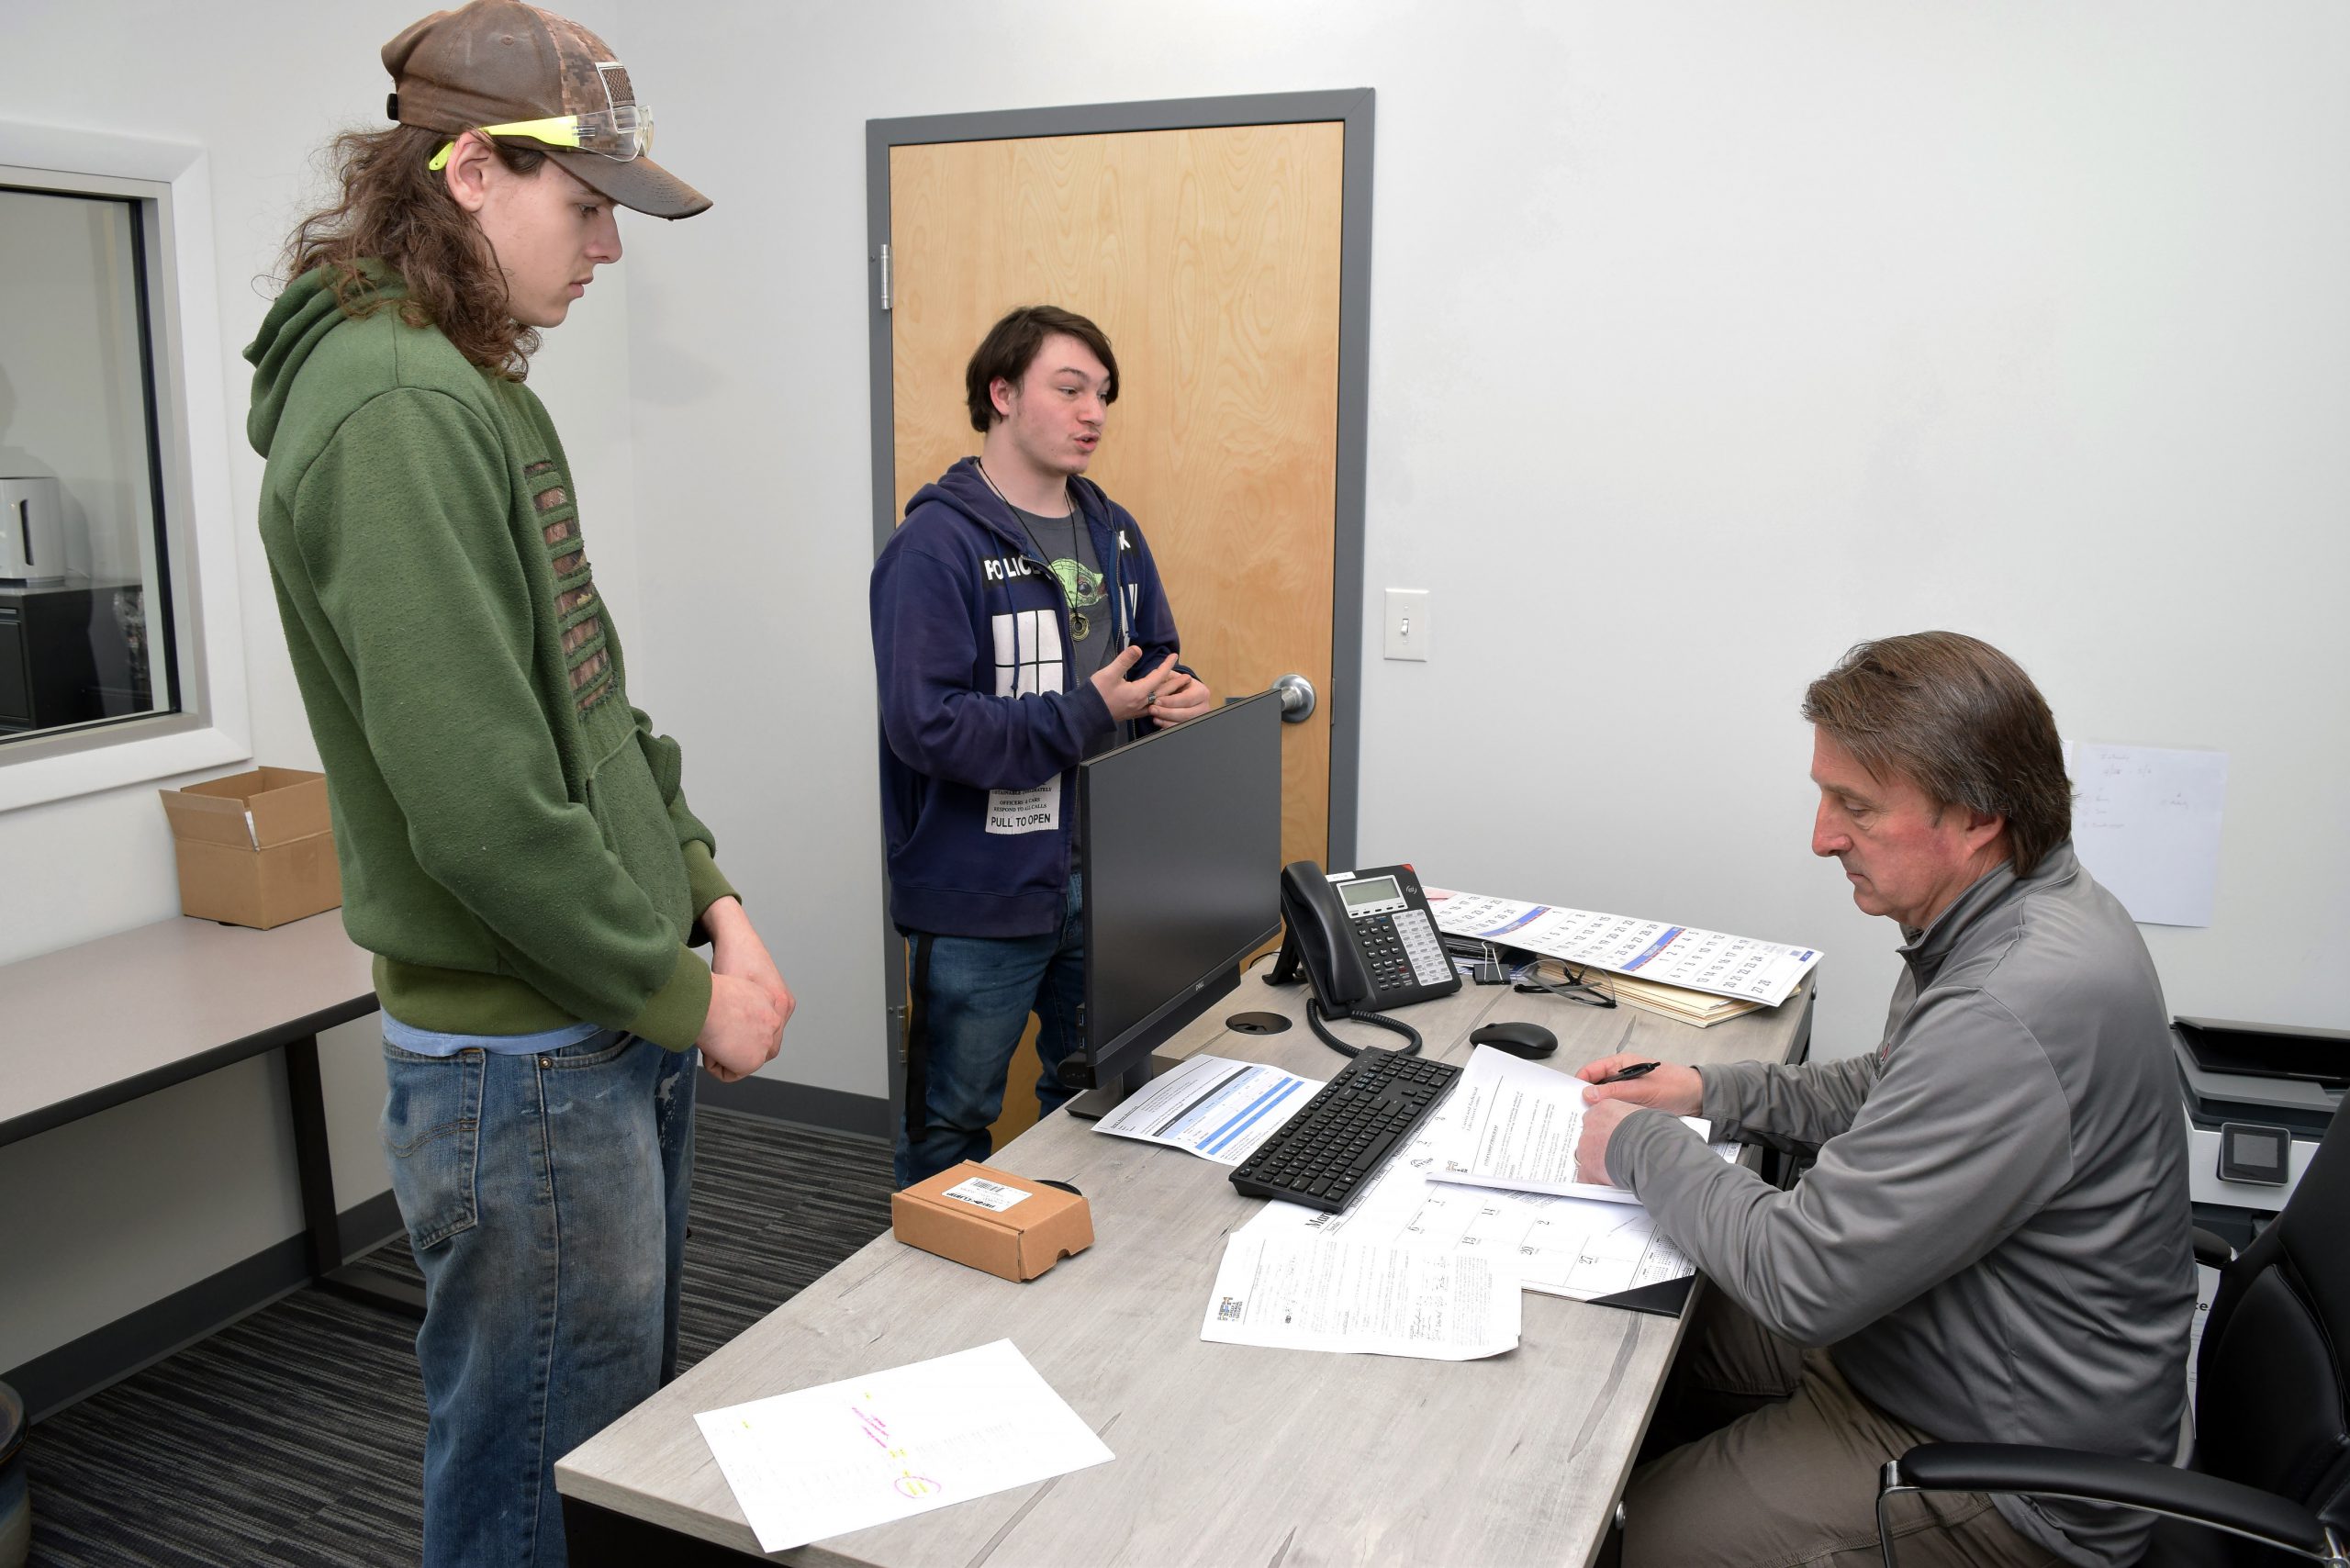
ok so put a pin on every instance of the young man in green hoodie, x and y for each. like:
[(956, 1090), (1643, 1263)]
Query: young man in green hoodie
[(516, 848)]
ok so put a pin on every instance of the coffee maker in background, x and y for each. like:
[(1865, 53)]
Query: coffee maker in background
[(32, 530)]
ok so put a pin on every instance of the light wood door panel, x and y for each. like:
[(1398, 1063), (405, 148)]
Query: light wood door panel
[(1211, 258)]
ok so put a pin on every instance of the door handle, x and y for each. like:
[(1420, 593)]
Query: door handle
[(25, 527), (1297, 698)]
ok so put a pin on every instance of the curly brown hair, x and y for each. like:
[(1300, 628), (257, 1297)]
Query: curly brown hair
[(395, 209)]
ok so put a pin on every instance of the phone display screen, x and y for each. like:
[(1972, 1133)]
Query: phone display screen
[(1368, 892)]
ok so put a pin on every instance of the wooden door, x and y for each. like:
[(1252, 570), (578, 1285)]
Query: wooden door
[(1211, 258)]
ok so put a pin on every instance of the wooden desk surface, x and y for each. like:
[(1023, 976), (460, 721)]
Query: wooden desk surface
[(1226, 1454), (96, 1025)]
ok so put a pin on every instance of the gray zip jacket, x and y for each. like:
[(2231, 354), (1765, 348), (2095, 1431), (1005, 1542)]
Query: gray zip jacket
[(1993, 1244)]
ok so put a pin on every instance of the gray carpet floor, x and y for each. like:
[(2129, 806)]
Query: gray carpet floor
[(295, 1435)]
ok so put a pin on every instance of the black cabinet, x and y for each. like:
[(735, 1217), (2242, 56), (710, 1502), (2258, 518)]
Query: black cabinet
[(55, 645)]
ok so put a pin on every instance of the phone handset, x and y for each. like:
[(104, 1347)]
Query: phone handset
[(1374, 943), (1319, 938)]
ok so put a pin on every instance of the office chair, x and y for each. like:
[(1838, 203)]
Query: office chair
[(2269, 1479)]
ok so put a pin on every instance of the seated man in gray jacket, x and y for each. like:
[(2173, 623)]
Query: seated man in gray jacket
[(1993, 1243)]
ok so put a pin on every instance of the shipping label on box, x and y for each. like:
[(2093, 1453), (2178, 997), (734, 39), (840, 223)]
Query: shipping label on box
[(1012, 1226), (255, 848)]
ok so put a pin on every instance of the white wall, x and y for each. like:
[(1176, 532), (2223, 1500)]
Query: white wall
[(151, 1197), (1826, 322), (1705, 340)]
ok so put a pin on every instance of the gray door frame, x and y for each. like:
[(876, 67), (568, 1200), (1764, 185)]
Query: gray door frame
[(1354, 108)]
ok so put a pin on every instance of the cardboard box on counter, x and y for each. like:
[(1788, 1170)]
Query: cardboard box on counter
[(1012, 1226), (255, 848)]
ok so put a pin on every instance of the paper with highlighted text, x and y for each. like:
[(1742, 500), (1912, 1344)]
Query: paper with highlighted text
[(1710, 961), (823, 1462), (1212, 1106)]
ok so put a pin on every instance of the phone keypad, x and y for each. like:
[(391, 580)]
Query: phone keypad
[(1402, 951)]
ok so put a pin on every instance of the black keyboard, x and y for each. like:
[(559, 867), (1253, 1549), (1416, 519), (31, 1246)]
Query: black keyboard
[(1347, 1131)]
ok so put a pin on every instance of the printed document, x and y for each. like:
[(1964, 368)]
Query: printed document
[(1305, 1293), (827, 1460), (1569, 1247), (1211, 1106), (1515, 1123), (1649, 949)]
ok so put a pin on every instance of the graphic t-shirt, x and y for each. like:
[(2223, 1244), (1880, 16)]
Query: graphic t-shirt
[(1067, 545)]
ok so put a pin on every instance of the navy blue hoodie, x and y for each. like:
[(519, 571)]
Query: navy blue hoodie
[(980, 725)]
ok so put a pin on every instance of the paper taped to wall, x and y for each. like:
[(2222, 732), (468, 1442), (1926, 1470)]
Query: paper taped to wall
[(2146, 823)]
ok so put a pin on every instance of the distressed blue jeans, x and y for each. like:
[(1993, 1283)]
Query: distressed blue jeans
[(545, 1198), (972, 997)]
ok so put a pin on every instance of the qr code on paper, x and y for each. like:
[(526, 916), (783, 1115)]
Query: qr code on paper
[(1228, 1310)]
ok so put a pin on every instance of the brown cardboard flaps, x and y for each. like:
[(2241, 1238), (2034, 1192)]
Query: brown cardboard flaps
[(255, 848), (263, 807), (196, 820)]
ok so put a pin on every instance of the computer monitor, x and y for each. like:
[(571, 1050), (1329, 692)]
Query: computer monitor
[(1182, 856)]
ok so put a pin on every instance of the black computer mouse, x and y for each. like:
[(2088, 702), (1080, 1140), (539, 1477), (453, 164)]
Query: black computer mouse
[(1517, 1039)]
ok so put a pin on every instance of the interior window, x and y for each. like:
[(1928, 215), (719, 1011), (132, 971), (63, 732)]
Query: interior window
[(85, 634)]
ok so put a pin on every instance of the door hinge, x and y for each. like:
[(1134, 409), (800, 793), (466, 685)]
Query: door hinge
[(885, 278)]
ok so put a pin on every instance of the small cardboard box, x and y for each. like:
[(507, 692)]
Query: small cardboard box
[(255, 848), (1013, 1227)]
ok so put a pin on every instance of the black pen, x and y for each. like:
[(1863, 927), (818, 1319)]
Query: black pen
[(1638, 1070)]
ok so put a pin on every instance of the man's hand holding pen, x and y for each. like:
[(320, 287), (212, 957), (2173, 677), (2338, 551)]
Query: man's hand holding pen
[(1621, 1084)]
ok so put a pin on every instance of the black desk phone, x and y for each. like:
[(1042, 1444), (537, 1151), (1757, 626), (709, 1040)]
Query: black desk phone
[(1365, 938)]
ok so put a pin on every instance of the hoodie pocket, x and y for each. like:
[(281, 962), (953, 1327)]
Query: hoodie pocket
[(636, 824)]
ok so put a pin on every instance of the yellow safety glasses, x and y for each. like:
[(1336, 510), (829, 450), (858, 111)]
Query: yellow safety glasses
[(619, 133)]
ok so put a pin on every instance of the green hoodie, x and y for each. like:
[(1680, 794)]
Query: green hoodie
[(515, 846)]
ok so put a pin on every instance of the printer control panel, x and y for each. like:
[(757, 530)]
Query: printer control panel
[(2254, 1151)]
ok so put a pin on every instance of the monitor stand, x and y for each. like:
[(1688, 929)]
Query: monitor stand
[(1104, 1097), (1099, 1102)]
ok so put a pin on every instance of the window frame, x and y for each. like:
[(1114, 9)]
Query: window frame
[(199, 532)]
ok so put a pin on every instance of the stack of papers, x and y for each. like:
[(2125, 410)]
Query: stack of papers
[(1429, 1259), (1710, 961), (1569, 1247), (1677, 1002)]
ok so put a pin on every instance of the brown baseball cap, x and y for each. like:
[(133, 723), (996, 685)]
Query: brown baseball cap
[(498, 62)]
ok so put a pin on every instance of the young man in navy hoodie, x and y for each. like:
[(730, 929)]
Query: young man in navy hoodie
[(1019, 627)]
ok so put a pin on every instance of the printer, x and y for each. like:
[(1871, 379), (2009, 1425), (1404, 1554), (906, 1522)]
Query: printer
[(2258, 1099)]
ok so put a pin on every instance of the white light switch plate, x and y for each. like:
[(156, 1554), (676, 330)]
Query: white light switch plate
[(1407, 623)]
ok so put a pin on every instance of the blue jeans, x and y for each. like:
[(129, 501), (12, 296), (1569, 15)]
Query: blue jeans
[(972, 997), (545, 1198)]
